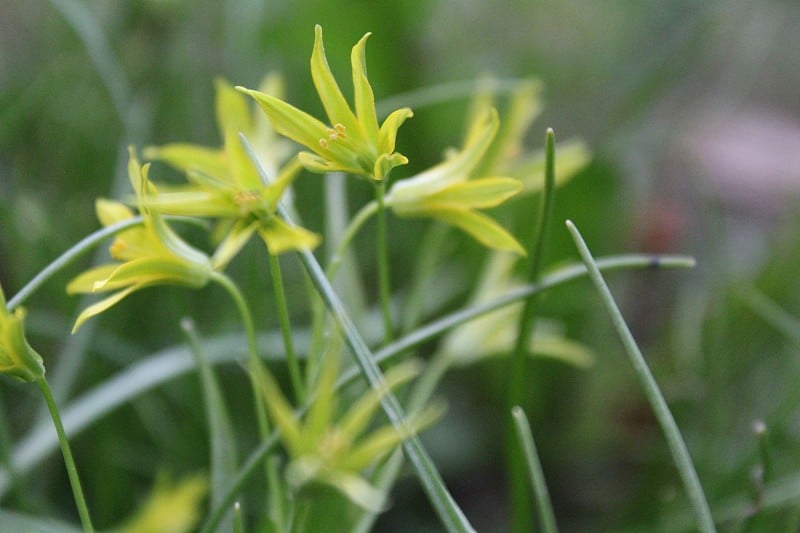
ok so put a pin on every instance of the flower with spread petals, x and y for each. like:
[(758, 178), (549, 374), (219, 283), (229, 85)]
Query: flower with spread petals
[(17, 358), (333, 452), (445, 192), (352, 141), (224, 183), (150, 254)]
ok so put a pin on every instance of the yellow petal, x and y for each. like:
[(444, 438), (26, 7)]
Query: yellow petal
[(186, 157), (330, 95), (233, 114), (102, 305), (364, 97), (280, 237), (110, 212), (482, 228), (236, 238), (84, 282), (482, 193)]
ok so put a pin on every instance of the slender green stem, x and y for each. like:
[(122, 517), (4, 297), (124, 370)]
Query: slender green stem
[(672, 433), (384, 283), (72, 471), (353, 228), (66, 258), (256, 370), (547, 519), (286, 328), (521, 517)]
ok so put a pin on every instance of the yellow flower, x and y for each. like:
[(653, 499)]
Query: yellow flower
[(446, 192), (331, 452), (171, 507), (17, 358), (150, 254), (353, 142), (224, 183)]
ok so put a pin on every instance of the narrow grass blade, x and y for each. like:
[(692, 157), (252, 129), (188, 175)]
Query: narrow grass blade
[(449, 513), (773, 314), (547, 519), (521, 519), (680, 453), (221, 435)]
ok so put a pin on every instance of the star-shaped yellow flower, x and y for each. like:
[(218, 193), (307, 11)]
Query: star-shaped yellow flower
[(224, 183), (353, 142), (446, 192)]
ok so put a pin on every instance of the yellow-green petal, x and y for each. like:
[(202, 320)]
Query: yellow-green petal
[(280, 237), (186, 157), (290, 121), (233, 114), (330, 95), (233, 242), (102, 305), (281, 412), (482, 228), (85, 281), (387, 136), (482, 193), (110, 212), (364, 97)]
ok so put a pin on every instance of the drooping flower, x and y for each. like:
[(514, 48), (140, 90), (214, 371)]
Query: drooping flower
[(150, 254), (17, 358), (447, 193), (334, 451), (352, 142), (224, 183)]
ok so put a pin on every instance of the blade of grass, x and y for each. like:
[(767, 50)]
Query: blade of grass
[(221, 435), (547, 519), (448, 511), (521, 519), (773, 314), (672, 433)]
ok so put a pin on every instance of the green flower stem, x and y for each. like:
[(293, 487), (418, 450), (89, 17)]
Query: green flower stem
[(72, 471), (547, 519), (521, 518), (680, 453), (286, 327), (355, 225), (384, 283), (256, 369)]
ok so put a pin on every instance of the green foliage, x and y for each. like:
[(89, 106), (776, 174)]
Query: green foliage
[(82, 81)]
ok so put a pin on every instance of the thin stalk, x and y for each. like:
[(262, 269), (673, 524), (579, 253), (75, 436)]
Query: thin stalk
[(547, 519), (286, 328), (72, 471), (384, 283), (680, 453), (256, 369), (520, 490), (353, 228)]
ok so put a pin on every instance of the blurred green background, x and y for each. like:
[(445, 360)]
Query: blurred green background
[(692, 112)]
